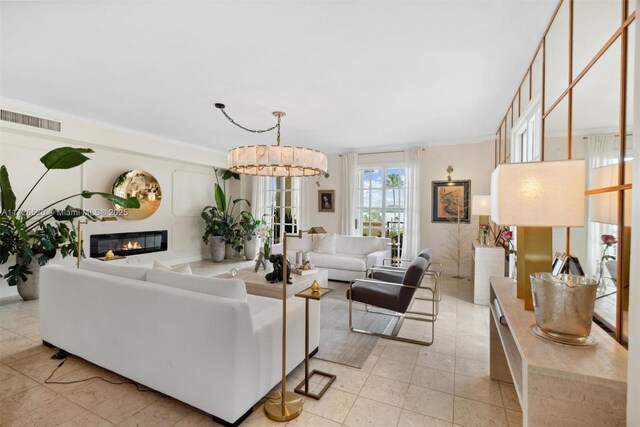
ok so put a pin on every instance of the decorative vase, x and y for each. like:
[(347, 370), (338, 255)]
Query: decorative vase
[(29, 289), (251, 248), (217, 248), (230, 252), (483, 239)]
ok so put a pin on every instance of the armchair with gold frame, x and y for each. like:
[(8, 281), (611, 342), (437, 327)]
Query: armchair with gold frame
[(397, 298)]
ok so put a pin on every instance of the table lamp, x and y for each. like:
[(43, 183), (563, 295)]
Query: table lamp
[(535, 197), (481, 207)]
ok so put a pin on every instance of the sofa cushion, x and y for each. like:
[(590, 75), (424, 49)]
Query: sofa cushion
[(339, 261), (180, 268), (357, 245), (227, 288), (325, 244), (114, 269)]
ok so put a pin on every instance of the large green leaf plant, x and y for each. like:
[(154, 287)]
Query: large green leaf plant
[(219, 219), (39, 235)]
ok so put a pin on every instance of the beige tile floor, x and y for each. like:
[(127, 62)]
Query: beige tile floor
[(400, 385)]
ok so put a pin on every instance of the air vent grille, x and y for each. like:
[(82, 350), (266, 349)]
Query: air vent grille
[(24, 119)]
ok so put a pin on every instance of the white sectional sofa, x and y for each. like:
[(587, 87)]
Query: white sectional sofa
[(201, 340), (347, 258)]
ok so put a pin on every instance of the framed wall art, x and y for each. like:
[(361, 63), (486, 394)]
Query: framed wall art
[(326, 201), (450, 201)]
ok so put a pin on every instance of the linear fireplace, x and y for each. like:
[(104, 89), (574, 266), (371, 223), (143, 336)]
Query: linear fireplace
[(135, 243)]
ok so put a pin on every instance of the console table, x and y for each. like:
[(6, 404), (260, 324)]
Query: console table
[(486, 261), (557, 385)]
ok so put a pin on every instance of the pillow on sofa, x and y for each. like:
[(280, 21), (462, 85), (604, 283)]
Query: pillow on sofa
[(180, 268), (108, 267), (325, 244), (227, 288)]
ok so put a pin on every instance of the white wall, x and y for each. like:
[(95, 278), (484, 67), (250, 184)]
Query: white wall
[(184, 172), (470, 161)]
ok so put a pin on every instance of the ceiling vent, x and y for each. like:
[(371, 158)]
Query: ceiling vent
[(24, 119)]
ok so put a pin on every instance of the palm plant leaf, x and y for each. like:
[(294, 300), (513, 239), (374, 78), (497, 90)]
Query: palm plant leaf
[(7, 197), (65, 157), (130, 203)]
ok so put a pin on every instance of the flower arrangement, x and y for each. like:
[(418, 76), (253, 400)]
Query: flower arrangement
[(506, 241), (608, 240), (263, 231)]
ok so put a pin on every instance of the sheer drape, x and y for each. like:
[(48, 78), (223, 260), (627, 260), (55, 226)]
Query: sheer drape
[(258, 196), (350, 194), (411, 238)]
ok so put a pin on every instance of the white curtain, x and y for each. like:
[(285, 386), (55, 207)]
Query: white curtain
[(411, 238), (602, 150), (258, 196), (350, 194)]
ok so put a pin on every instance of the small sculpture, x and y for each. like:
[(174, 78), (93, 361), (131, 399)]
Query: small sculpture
[(276, 275)]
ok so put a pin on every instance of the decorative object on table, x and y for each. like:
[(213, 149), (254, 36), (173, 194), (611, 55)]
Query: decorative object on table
[(450, 200), (526, 195), (79, 251), (484, 234), (263, 232), (250, 239), (277, 160), (279, 271), (141, 185), (608, 241), (221, 227), (109, 255), (304, 269), (233, 273), (37, 238), (576, 295), (315, 292), (326, 200), (315, 287), (481, 207), (505, 239), (298, 258)]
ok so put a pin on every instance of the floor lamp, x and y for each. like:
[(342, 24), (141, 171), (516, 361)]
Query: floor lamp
[(535, 197), (280, 161), (79, 234)]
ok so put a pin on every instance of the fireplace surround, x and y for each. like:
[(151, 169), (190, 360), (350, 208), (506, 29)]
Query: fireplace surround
[(132, 243)]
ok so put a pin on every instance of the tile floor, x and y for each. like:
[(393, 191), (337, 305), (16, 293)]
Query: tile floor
[(400, 385)]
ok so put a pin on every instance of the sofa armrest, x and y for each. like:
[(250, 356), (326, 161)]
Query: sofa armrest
[(377, 257)]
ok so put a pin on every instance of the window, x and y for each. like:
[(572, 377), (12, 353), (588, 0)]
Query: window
[(382, 203), (526, 140), (282, 205)]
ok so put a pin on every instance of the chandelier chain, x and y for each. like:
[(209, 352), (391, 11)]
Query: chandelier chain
[(277, 126)]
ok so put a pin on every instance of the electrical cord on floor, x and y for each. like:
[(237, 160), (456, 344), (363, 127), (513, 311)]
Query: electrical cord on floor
[(138, 386)]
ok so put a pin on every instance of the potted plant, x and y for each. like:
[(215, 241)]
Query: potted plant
[(250, 240), (35, 237), (221, 227)]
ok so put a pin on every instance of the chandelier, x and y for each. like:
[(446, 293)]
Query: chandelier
[(274, 160)]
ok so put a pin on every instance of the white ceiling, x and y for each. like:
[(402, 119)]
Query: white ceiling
[(352, 75)]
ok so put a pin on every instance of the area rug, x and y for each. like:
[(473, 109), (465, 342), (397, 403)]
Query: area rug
[(337, 343)]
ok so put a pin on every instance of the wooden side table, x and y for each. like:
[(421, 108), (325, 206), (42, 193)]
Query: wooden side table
[(303, 387)]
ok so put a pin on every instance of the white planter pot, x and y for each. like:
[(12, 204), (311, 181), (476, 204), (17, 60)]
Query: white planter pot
[(229, 251), (30, 289), (251, 248), (217, 248)]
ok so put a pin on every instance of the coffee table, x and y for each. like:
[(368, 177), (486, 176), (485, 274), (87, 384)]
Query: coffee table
[(258, 285)]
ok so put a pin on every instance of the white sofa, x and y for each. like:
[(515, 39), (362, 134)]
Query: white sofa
[(220, 354), (350, 258)]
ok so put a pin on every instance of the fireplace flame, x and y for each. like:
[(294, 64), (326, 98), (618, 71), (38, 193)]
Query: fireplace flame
[(131, 245)]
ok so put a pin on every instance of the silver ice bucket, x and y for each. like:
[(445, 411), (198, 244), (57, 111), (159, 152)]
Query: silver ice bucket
[(563, 307)]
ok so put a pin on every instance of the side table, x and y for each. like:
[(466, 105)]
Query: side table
[(303, 387)]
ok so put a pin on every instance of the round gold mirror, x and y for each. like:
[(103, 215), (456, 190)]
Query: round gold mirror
[(141, 185)]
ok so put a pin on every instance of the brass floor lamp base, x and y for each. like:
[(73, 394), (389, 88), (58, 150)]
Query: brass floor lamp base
[(275, 410)]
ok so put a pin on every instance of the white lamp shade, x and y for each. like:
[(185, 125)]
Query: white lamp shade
[(481, 205), (603, 207), (538, 194)]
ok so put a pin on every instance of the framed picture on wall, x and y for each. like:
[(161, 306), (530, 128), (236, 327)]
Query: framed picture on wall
[(450, 201), (326, 201)]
